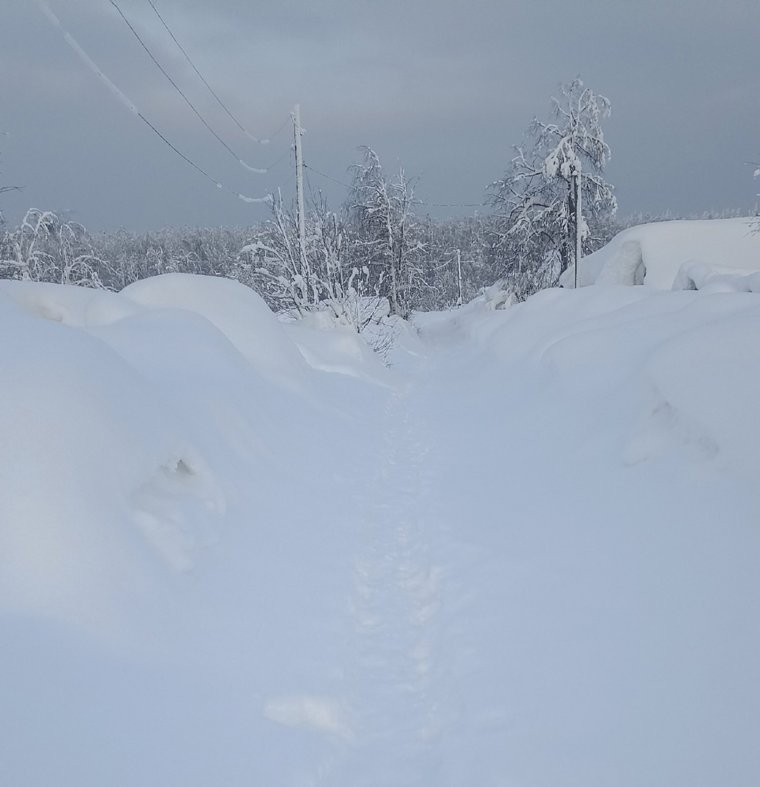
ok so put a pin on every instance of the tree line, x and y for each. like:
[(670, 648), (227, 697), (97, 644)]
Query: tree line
[(377, 252)]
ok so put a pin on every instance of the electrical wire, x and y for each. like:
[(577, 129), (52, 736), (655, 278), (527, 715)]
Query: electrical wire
[(131, 107), (280, 128), (203, 79), (259, 140), (239, 159), (329, 177), (279, 159)]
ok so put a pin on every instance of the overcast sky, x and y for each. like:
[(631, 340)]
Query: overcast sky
[(442, 87)]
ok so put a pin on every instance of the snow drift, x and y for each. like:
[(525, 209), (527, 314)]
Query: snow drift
[(119, 418), (676, 255), (239, 552)]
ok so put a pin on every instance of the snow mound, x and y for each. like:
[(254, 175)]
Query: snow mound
[(328, 345), (94, 460), (237, 311), (126, 423), (75, 306), (655, 254), (698, 276), (686, 362)]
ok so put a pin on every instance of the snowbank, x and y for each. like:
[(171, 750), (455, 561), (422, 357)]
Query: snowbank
[(239, 552), (237, 311), (79, 307), (122, 422), (331, 346), (690, 355), (171, 477), (608, 505), (654, 254), (89, 454)]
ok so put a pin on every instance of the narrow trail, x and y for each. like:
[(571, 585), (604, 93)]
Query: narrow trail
[(398, 710)]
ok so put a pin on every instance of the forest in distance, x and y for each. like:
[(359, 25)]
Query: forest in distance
[(381, 245)]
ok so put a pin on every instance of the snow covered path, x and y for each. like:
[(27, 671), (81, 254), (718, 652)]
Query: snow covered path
[(528, 558), (395, 600), (534, 606)]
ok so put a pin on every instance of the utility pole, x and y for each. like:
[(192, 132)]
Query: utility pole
[(297, 132), (578, 220), (459, 276)]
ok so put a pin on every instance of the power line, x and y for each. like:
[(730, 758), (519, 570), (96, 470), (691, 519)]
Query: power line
[(240, 160), (279, 159), (211, 90), (329, 177), (280, 129), (131, 107)]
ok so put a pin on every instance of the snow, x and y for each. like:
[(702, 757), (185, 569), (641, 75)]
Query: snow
[(675, 255), (266, 199), (238, 312), (330, 346), (255, 170), (239, 551)]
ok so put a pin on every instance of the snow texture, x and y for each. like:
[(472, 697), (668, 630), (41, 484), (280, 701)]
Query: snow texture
[(241, 552), (676, 255)]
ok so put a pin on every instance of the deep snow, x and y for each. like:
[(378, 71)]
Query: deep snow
[(721, 253), (239, 552)]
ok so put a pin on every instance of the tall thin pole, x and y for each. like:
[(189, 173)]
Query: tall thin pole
[(578, 222), (297, 132), (459, 276)]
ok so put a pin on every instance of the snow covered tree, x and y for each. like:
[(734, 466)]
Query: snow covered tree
[(345, 287), (384, 228), (279, 269), (537, 200), (323, 278)]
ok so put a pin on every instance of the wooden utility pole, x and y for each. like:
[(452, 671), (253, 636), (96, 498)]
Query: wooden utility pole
[(578, 221), (459, 276), (297, 132)]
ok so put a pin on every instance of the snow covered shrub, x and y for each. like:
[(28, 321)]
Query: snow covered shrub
[(318, 277), (46, 248)]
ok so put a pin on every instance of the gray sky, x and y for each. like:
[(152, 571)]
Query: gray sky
[(443, 88)]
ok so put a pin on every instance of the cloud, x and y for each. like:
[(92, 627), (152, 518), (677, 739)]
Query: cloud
[(444, 87)]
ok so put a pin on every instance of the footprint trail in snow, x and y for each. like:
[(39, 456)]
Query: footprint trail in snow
[(397, 712)]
